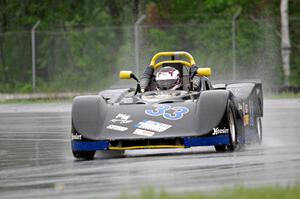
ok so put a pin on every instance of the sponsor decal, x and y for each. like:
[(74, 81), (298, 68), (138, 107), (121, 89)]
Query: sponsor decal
[(246, 108), (251, 113), (246, 120), (116, 127), (246, 114), (168, 112), (218, 131), (143, 132), (75, 137), (152, 126), (240, 106), (122, 119)]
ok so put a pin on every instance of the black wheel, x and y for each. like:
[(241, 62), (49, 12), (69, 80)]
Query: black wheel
[(232, 130), (88, 155), (220, 148), (258, 130)]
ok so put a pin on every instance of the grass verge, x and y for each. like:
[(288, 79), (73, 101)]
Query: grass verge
[(35, 101), (285, 95), (266, 192)]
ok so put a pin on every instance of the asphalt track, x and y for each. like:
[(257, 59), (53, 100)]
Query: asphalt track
[(36, 162)]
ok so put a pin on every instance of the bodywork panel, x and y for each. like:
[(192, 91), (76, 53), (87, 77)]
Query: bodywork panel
[(117, 115), (187, 142), (96, 119)]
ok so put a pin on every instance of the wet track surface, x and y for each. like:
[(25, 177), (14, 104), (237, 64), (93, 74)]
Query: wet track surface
[(36, 161)]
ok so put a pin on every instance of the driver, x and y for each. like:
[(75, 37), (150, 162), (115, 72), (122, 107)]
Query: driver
[(168, 78), (148, 75)]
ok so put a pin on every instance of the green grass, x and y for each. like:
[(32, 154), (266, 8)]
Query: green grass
[(286, 95), (36, 101), (267, 192)]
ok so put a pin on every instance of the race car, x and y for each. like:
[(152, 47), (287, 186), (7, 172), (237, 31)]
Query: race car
[(223, 114)]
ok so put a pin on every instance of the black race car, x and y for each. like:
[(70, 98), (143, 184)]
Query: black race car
[(225, 114)]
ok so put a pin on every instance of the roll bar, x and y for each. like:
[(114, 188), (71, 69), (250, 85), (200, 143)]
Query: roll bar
[(187, 55)]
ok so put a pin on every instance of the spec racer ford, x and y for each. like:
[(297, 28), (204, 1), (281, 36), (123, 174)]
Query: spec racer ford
[(225, 115)]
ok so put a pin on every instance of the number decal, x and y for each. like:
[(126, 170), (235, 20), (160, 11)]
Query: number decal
[(168, 112), (159, 110), (177, 114)]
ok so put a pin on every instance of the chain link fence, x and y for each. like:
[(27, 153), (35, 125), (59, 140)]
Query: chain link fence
[(89, 59), (257, 47)]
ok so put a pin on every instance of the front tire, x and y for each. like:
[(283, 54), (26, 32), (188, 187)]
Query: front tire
[(232, 129), (88, 155), (220, 148)]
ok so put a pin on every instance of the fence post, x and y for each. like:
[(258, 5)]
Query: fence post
[(33, 55), (136, 43), (234, 18)]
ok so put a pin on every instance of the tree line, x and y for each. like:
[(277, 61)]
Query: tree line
[(82, 44)]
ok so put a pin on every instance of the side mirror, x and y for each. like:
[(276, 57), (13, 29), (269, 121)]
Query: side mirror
[(204, 72), (125, 74)]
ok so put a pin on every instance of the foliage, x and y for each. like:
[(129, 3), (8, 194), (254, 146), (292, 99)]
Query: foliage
[(81, 45)]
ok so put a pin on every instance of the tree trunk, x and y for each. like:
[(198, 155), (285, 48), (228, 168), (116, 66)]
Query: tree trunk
[(285, 41)]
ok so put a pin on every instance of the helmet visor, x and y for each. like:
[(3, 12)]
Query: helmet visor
[(166, 84)]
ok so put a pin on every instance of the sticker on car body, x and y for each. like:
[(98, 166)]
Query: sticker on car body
[(152, 126), (168, 112), (251, 113), (76, 137), (143, 132), (121, 118), (116, 127), (246, 114), (217, 131)]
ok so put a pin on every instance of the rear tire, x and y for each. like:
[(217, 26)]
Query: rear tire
[(88, 155), (258, 130)]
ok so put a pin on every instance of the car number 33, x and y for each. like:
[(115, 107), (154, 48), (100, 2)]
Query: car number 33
[(168, 112)]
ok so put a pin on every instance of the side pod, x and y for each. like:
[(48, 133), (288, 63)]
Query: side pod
[(88, 114)]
